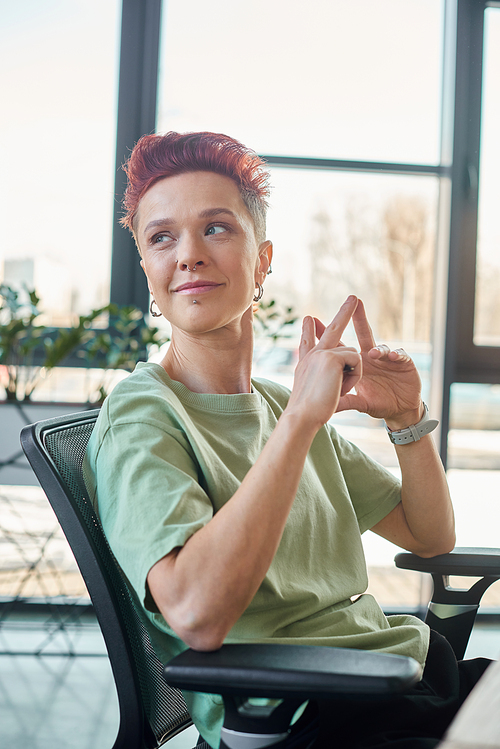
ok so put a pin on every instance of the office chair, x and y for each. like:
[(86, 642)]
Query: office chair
[(152, 709)]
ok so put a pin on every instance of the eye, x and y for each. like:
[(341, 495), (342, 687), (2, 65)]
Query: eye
[(215, 229), (161, 238)]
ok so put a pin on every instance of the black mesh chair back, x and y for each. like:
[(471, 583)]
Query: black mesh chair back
[(150, 711)]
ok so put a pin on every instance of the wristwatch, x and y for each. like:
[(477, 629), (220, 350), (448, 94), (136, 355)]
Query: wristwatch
[(414, 432)]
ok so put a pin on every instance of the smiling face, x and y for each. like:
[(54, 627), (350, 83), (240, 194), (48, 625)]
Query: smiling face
[(199, 250)]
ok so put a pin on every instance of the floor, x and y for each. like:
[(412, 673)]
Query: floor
[(56, 685), (64, 697)]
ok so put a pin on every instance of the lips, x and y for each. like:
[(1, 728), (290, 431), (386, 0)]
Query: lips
[(196, 287)]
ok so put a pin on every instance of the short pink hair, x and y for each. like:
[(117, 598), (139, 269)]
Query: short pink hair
[(157, 156)]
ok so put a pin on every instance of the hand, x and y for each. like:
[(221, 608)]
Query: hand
[(327, 370), (390, 387)]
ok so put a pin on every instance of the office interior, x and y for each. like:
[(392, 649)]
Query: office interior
[(379, 121)]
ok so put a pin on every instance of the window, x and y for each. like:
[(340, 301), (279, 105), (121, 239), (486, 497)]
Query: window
[(337, 233), (59, 80), (487, 313), (331, 85), (329, 79), (358, 82)]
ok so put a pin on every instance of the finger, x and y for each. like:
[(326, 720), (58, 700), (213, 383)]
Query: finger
[(352, 372), (379, 352), (399, 354), (384, 352), (333, 332), (347, 367), (362, 327), (307, 338)]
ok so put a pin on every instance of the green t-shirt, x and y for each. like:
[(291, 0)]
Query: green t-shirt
[(162, 460)]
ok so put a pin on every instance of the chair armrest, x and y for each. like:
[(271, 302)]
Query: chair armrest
[(470, 562), (279, 671), (452, 611)]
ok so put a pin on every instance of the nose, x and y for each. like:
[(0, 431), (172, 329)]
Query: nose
[(190, 255), (185, 266)]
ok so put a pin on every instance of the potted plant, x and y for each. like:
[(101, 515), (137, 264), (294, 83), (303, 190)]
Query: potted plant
[(29, 351), (127, 340)]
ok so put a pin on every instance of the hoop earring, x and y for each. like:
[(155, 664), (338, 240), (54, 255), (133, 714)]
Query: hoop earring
[(260, 292), (151, 310)]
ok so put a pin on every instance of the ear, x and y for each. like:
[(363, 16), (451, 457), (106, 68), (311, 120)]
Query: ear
[(144, 269), (265, 258)]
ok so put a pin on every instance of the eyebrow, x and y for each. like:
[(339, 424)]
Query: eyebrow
[(211, 212), (207, 213)]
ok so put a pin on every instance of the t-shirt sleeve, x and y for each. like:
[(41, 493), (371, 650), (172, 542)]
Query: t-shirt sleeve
[(148, 496), (374, 491)]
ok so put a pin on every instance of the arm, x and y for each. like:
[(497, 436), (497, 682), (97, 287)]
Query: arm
[(390, 389), (203, 588), (423, 522)]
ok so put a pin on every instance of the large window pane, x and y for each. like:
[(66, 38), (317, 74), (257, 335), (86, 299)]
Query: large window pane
[(58, 71), (337, 233), (487, 318), (329, 78), (474, 467)]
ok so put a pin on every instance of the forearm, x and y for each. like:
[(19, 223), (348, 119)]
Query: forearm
[(203, 588), (426, 503)]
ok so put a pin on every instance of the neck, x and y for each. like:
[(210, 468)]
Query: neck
[(215, 362)]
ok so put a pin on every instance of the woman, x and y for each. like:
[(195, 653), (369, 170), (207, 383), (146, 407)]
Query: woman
[(234, 509)]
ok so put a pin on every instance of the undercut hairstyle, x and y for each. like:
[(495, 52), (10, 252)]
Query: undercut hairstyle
[(158, 156)]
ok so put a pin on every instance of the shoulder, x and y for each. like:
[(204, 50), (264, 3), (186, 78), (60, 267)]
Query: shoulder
[(143, 396), (141, 408), (142, 418), (147, 377)]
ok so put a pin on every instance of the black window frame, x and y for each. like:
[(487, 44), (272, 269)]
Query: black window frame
[(136, 116), (465, 361)]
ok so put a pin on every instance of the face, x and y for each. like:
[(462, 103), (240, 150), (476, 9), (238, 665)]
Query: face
[(199, 251)]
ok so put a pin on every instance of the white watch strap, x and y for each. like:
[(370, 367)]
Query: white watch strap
[(414, 432)]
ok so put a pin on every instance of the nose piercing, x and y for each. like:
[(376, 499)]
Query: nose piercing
[(193, 268)]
